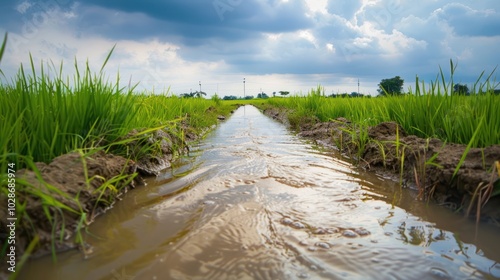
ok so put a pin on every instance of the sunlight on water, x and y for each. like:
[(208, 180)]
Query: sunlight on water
[(255, 202)]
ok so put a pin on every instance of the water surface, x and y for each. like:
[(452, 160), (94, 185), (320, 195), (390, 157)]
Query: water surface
[(253, 201)]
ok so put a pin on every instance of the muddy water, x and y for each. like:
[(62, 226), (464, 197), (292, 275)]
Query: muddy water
[(253, 201)]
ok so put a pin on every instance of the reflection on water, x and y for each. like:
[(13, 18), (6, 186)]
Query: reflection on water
[(255, 202)]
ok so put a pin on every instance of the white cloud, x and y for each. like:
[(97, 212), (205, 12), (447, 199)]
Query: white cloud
[(150, 62), (308, 36), (330, 47), (23, 7), (317, 6), (341, 40)]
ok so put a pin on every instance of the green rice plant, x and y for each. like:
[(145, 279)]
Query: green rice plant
[(381, 149), (2, 48), (55, 205), (427, 111), (110, 187), (313, 102), (82, 222), (135, 146), (467, 149), (57, 119), (113, 186), (359, 139), (349, 144), (397, 142), (401, 165), (420, 171), (48, 115)]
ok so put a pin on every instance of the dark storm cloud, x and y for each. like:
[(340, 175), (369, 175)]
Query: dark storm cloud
[(358, 38), (190, 19), (466, 21)]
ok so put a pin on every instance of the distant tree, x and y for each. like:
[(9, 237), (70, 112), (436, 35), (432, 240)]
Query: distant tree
[(339, 95), (262, 95), (198, 94), (274, 94), (230, 97), (284, 93), (460, 89), (392, 86), (193, 94)]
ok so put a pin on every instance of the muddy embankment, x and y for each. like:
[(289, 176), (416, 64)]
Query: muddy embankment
[(61, 198), (426, 165), (75, 188)]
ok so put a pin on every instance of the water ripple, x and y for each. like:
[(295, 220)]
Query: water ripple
[(256, 202)]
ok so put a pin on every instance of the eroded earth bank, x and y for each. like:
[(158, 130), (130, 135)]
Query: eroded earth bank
[(254, 200), (427, 165)]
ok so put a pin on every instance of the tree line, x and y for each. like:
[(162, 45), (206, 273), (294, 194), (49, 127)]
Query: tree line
[(394, 86), (199, 94), (386, 87)]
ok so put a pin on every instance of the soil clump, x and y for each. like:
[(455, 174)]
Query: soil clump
[(79, 183)]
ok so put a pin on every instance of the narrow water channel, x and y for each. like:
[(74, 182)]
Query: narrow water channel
[(253, 201)]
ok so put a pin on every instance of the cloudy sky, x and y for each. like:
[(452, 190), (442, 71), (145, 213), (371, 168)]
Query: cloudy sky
[(274, 45)]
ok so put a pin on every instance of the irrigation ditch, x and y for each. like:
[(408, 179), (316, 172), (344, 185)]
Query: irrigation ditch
[(57, 200), (456, 176), (85, 185)]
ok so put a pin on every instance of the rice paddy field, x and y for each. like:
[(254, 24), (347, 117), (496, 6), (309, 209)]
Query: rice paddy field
[(45, 117), (44, 114), (429, 113)]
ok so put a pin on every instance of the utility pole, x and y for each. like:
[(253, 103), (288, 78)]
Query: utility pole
[(244, 94), (358, 86), (200, 87)]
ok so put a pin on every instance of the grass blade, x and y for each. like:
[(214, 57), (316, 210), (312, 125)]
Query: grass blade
[(107, 58), (467, 149), (2, 49)]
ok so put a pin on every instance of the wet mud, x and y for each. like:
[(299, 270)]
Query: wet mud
[(67, 178), (253, 200), (427, 165), (66, 195), (72, 180)]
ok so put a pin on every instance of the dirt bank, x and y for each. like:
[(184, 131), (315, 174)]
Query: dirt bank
[(426, 165), (63, 197)]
